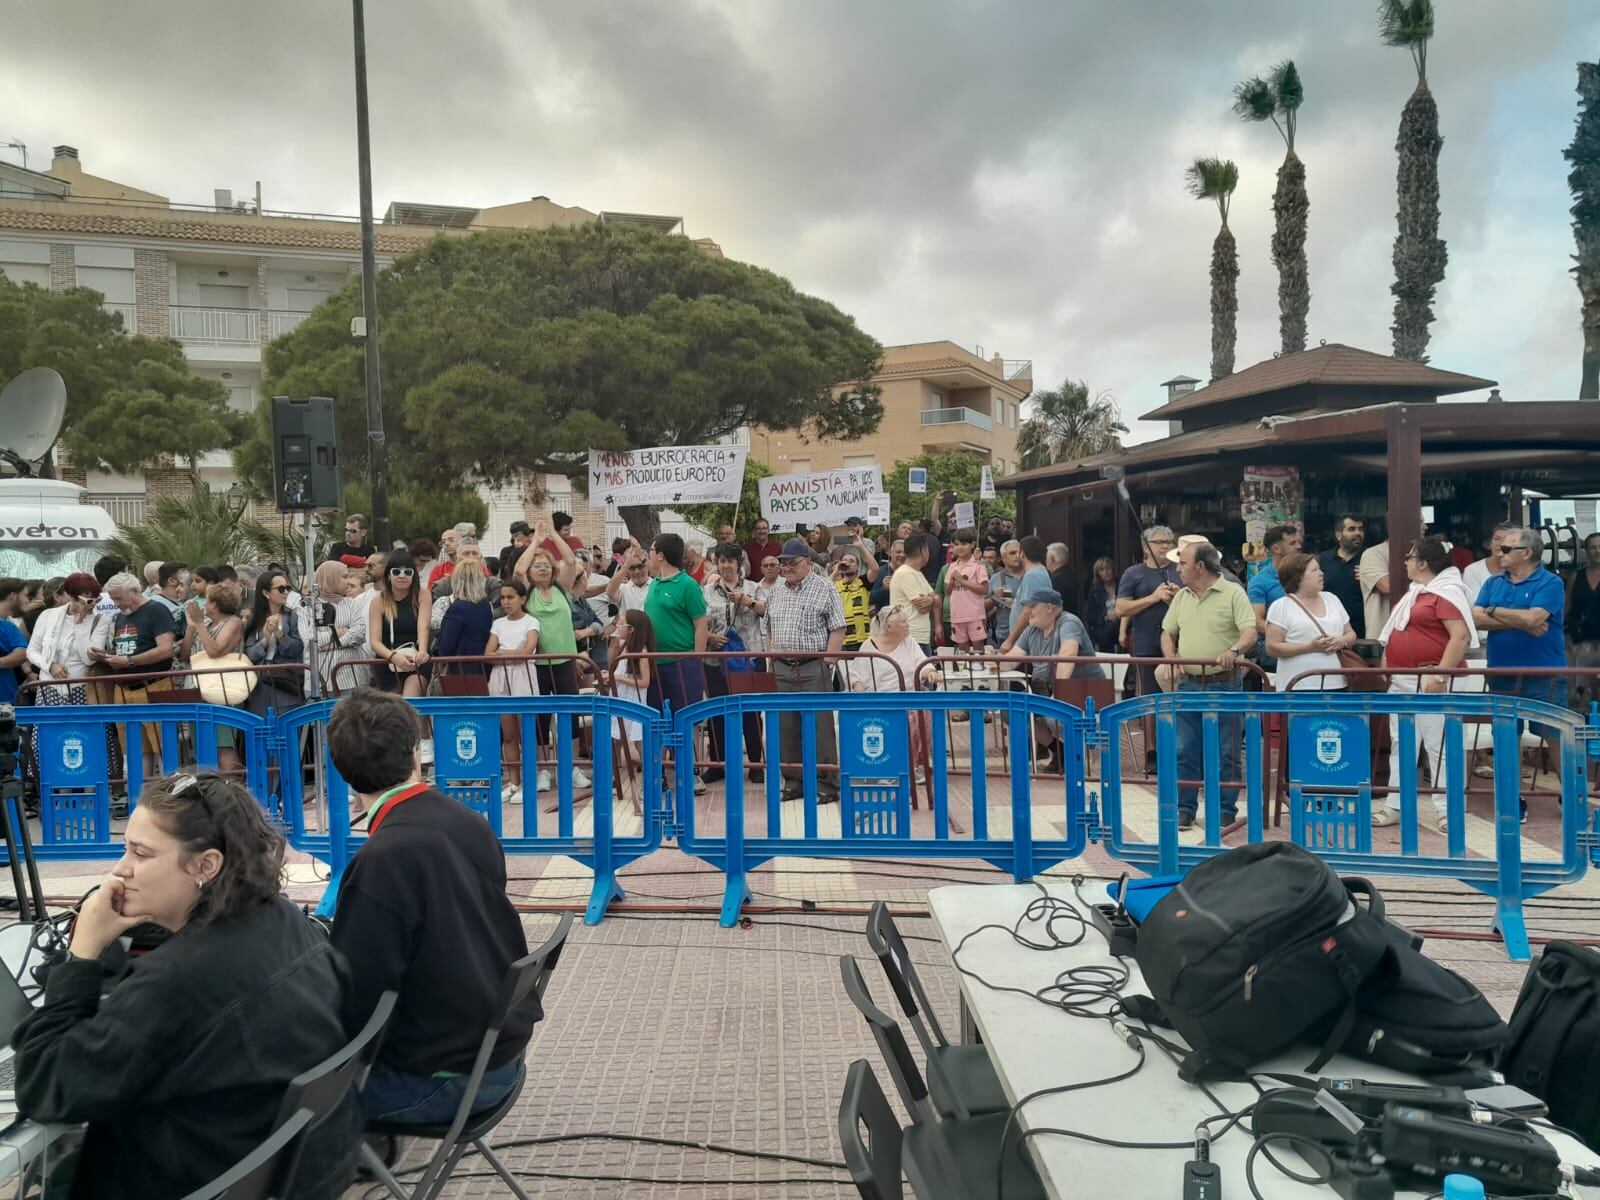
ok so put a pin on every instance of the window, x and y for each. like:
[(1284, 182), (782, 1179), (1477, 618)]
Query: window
[(222, 295), (799, 466), (860, 460)]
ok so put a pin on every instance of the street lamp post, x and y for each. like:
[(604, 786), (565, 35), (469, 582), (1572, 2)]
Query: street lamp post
[(376, 453)]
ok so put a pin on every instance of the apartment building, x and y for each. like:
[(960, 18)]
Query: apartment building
[(226, 278), (936, 396)]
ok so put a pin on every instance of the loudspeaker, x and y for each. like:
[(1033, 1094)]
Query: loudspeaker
[(305, 453)]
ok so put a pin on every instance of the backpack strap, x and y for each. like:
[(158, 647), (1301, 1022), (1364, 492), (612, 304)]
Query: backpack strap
[(1350, 980)]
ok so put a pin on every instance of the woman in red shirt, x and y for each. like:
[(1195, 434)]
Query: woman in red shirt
[(1430, 627)]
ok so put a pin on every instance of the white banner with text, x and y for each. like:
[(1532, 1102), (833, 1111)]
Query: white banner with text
[(666, 475), (819, 497)]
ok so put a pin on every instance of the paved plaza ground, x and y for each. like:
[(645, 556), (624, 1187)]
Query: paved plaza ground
[(663, 1024)]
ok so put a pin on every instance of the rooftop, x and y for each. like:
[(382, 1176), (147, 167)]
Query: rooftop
[(1330, 365)]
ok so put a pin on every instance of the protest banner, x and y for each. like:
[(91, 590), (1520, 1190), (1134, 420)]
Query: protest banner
[(878, 509), (986, 485), (819, 497), (917, 479), (666, 475), (964, 519)]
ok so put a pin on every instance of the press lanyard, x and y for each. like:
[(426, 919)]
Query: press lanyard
[(391, 800)]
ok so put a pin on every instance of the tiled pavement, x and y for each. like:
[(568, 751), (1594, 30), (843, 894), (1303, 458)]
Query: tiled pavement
[(664, 1024)]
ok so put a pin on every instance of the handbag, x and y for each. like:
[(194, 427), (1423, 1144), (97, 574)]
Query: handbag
[(735, 642), (231, 688)]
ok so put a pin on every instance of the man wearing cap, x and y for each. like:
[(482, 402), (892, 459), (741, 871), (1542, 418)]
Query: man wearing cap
[(1052, 632), (804, 616), (1209, 619)]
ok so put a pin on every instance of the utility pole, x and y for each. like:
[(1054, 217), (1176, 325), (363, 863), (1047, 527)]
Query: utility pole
[(376, 453)]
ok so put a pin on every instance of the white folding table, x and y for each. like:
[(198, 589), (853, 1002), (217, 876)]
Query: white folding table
[(1034, 1047)]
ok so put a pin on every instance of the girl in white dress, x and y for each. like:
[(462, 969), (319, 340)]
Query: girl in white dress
[(630, 677), (514, 633)]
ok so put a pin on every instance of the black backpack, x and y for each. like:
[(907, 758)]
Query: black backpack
[(1554, 1045), (1417, 1016), (1257, 949)]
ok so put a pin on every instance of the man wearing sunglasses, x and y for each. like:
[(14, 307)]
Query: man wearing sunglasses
[(355, 548)]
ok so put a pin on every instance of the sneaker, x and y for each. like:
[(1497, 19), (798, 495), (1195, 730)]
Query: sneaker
[(959, 715), (511, 795), (1385, 816), (922, 775), (119, 808), (699, 786), (543, 782), (1524, 804), (1484, 770), (1441, 822), (426, 751), (1185, 820), (579, 779)]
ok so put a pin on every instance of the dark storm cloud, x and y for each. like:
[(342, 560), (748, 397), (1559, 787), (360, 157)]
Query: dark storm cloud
[(1003, 173)]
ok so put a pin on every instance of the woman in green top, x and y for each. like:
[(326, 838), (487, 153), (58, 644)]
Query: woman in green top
[(547, 603)]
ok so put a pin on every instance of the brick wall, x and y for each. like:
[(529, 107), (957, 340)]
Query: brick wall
[(166, 481), (63, 267), (152, 292)]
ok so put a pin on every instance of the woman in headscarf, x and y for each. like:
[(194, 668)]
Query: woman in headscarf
[(339, 626)]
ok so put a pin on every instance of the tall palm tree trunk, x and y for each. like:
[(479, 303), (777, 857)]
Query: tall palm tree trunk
[(1584, 180), (1291, 206), (1419, 253), (1224, 302), (1589, 388)]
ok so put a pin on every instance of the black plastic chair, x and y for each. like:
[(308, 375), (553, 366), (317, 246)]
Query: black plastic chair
[(961, 1078), (528, 976), (266, 1173), (944, 1160), (897, 1056)]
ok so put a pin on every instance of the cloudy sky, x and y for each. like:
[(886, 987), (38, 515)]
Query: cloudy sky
[(1003, 174)]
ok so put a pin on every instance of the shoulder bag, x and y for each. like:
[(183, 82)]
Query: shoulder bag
[(1350, 659), (231, 688)]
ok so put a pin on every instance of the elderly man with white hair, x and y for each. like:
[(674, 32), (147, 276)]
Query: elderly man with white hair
[(152, 577), (137, 640), (1055, 562)]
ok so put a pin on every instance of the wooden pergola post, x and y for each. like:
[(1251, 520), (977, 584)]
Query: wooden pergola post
[(1403, 435)]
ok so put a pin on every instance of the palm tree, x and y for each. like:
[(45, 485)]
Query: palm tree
[(1584, 179), (1419, 252), (202, 528), (1277, 98), (1215, 179), (1066, 424)]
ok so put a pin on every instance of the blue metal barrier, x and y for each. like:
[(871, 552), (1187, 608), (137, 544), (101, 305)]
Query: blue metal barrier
[(875, 817), (467, 742), (75, 774), (1330, 811)]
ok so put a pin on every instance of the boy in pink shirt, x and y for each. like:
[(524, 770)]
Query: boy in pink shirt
[(966, 582)]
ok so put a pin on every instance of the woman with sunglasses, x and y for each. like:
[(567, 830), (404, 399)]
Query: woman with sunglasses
[(179, 1069), (397, 623), (272, 639)]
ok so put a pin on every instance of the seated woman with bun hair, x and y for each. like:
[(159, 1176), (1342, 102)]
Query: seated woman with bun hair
[(179, 1070)]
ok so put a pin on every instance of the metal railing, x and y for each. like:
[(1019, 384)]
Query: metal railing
[(191, 323), (127, 509), (1017, 368), (280, 322), (957, 416), (128, 312)]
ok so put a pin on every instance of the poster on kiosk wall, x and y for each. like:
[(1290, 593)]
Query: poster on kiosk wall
[(1268, 496)]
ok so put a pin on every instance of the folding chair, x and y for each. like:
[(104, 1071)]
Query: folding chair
[(266, 1172), (528, 976), (322, 1088), (961, 1079), (944, 1160)]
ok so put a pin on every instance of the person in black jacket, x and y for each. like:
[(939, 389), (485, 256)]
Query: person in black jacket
[(422, 910), (180, 1069)]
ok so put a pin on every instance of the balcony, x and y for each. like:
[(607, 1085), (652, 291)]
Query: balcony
[(129, 314), (280, 322), (127, 509), (1013, 369), (957, 416), (215, 325)]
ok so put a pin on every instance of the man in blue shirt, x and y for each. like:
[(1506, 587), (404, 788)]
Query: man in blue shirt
[(1034, 587), (13, 642), (1281, 541), (1523, 610)]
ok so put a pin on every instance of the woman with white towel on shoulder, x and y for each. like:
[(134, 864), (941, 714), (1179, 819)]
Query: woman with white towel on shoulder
[(1430, 626)]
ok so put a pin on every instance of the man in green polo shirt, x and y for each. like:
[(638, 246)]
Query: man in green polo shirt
[(677, 610), (1209, 619)]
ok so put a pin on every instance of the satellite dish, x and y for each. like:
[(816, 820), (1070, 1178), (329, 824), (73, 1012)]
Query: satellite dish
[(32, 407)]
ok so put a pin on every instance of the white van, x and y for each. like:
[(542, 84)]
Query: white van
[(46, 531)]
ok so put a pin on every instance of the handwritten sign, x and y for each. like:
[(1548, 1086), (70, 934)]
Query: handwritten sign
[(666, 475), (820, 497)]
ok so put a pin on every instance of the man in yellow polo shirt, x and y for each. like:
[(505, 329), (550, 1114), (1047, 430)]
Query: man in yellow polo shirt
[(1209, 619)]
